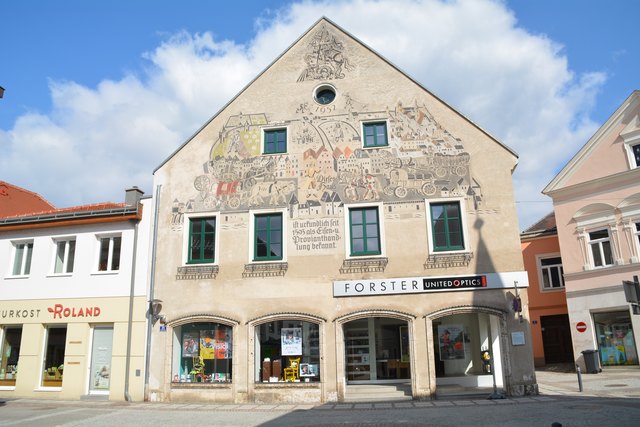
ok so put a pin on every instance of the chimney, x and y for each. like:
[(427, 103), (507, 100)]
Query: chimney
[(132, 196)]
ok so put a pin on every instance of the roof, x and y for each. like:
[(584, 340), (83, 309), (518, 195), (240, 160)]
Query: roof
[(16, 200), (337, 27), (545, 226)]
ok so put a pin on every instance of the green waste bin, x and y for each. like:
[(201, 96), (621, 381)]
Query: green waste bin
[(591, 361)]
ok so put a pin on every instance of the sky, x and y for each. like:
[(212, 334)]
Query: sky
[(99, 93)]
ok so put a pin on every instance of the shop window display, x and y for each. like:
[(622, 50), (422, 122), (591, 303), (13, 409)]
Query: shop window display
[(289, 351), (203, 353), (615, 338), (53, 366), (463, 345), (11, 338)]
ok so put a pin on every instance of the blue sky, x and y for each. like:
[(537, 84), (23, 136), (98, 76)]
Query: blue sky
[(97, 94)]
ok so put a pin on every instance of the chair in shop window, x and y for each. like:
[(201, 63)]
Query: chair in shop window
[(292, 372)]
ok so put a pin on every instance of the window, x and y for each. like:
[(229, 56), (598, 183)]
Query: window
[(202, 353), (109, 253), (446, 226), (364, 231), (287, 350), (268, 237), (202, 238), (65, 254), (325, 95), (375, 134), (9, 354), (22, 258), (275, 141), (53, 363), (638, 231), (600, 244), (551, 273), (635, 150)]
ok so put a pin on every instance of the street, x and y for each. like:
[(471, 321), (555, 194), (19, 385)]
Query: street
[(530, 411)]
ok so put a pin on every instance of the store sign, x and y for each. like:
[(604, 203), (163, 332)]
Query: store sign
[(581, 326), (455, 283), (416, 285), (19, 314), (59, 311)]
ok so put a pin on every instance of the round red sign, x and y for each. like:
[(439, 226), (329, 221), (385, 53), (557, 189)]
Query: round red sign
[(581, 326)]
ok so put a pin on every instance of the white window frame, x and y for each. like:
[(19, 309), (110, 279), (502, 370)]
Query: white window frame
[(109, 236), (347, 229), (599, 242), (631, 141), (3, 332), (540, 268), (65, 259), (185, 237), (387, 127), (263, 145), (285, 235), (463, 217), (23, 265)]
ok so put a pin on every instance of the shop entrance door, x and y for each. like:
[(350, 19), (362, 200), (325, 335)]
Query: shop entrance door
[(556, 339), (101, 349), (376, 351)]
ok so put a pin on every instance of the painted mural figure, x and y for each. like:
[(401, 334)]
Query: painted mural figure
[(325, 162)]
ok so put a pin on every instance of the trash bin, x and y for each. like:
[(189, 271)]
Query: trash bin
[(591, 361)]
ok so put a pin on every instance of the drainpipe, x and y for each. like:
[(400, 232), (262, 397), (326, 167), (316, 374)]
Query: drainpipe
[(152, 282), (127, 396)]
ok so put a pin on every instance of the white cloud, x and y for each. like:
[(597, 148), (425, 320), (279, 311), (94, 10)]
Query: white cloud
[(471, 53)]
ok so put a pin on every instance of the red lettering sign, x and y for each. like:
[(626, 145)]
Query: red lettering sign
[(59, 311)]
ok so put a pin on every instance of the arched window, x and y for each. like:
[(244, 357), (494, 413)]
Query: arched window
[(287, 350), (202, 352)]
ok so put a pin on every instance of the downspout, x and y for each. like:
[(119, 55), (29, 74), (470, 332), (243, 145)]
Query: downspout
[(152, 281), (127, 396)]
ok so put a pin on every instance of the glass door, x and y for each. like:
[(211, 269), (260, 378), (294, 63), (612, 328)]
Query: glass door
[(359, 357), (101, 349)]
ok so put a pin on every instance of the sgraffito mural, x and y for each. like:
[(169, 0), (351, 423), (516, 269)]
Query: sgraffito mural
[(325, 165), (325, 58)]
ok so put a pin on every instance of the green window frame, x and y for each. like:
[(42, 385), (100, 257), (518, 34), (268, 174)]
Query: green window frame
[(202, 240), (375, 134), (267, 237), (364, 227), (275, 141), (446, 226)]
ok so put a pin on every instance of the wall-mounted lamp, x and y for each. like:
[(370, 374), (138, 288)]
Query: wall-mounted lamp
[(155, 306), (517, 302)]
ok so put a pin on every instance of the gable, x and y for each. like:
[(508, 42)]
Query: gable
[(607, 152), (428, 152)]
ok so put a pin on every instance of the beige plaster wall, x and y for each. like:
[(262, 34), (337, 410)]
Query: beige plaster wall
[(283, 96)]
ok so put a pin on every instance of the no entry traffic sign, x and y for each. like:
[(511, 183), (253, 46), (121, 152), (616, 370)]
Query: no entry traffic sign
[(581, 326)]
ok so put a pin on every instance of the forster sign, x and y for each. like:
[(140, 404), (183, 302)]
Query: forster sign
[(417, 285)]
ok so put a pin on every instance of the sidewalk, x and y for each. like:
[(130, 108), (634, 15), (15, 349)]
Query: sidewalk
[(616, 382)]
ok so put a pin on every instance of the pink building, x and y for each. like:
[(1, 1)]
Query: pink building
[(550, 329), (596, 198)]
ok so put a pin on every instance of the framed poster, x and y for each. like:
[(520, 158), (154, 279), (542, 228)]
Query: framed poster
[(308, 370), (190, 344), (451, 342), (291, 341)]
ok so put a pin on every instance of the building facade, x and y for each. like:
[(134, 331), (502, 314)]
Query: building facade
[(596, 199), (335, 225), (550, 330), (73, 304)]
